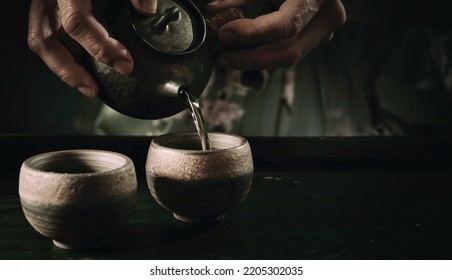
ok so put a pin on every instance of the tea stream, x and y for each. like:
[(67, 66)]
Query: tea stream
[(193, 105)]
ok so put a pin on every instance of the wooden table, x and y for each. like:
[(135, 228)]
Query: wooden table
[(312, 198)]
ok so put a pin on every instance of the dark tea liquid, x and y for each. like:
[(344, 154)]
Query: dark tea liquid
[(193, 105)]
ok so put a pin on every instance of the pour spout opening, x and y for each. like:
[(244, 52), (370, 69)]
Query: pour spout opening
[(183, 91), (174, 88)]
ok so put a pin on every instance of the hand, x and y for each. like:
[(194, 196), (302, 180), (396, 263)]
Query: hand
[(47, 17), (278, 39)]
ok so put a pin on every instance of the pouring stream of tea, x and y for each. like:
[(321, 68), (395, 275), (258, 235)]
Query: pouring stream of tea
[(193, 105)]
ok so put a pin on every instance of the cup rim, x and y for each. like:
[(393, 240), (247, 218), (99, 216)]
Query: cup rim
[(156, 142), (28, 163)]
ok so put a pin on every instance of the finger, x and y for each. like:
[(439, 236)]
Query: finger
[(289, 20), (267, 56), (145, 7), (42, 41), (287, 52), (78, 21), (61, 62)]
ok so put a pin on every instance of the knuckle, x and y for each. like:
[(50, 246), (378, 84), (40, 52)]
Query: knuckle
[(255, 31), (98, 51), (292, 25), (64, 74), (35, 43), (293, 57), (73, 22)]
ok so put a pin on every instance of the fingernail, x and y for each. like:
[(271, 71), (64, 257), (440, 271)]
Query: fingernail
[(87, 91), (122, 66), (227, 37), (149, 6)]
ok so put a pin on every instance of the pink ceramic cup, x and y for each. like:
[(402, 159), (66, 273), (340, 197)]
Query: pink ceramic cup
[(197, 185), (78, 198)]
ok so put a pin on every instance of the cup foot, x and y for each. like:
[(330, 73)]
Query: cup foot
[(197, 220), (78, 246)]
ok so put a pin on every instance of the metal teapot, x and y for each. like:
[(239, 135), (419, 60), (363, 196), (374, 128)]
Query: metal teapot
[(171, 49)]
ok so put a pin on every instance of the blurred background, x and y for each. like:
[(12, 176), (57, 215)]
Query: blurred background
[(387, 71)]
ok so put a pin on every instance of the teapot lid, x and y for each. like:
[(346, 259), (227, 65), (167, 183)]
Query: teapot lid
[(177, 27)]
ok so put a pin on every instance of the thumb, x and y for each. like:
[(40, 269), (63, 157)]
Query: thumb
[(145, 7)]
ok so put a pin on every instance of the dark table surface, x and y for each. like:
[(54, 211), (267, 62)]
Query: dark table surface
[(312, 198)]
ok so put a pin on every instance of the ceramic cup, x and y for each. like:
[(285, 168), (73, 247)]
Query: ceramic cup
[(197, 185), (77, 198)]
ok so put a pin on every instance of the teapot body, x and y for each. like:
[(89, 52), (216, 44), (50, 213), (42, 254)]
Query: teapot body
[(151, 90)]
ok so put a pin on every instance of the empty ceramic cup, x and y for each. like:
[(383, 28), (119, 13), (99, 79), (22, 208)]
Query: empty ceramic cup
[(197, 185), (78, 198)]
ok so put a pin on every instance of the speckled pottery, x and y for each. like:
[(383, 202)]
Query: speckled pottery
[(197, 185), (77, 198)]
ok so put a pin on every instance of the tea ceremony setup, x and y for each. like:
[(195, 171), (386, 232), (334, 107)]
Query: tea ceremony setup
[(231, 139), (318, 198)]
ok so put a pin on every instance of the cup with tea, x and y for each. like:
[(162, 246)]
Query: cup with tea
[(199, 185)]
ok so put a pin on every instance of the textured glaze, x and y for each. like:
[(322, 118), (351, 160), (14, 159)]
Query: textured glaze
[(77, 198), (199, 185)]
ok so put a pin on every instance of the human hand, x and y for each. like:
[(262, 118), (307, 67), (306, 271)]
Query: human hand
[(48, 17), (278, 39)]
